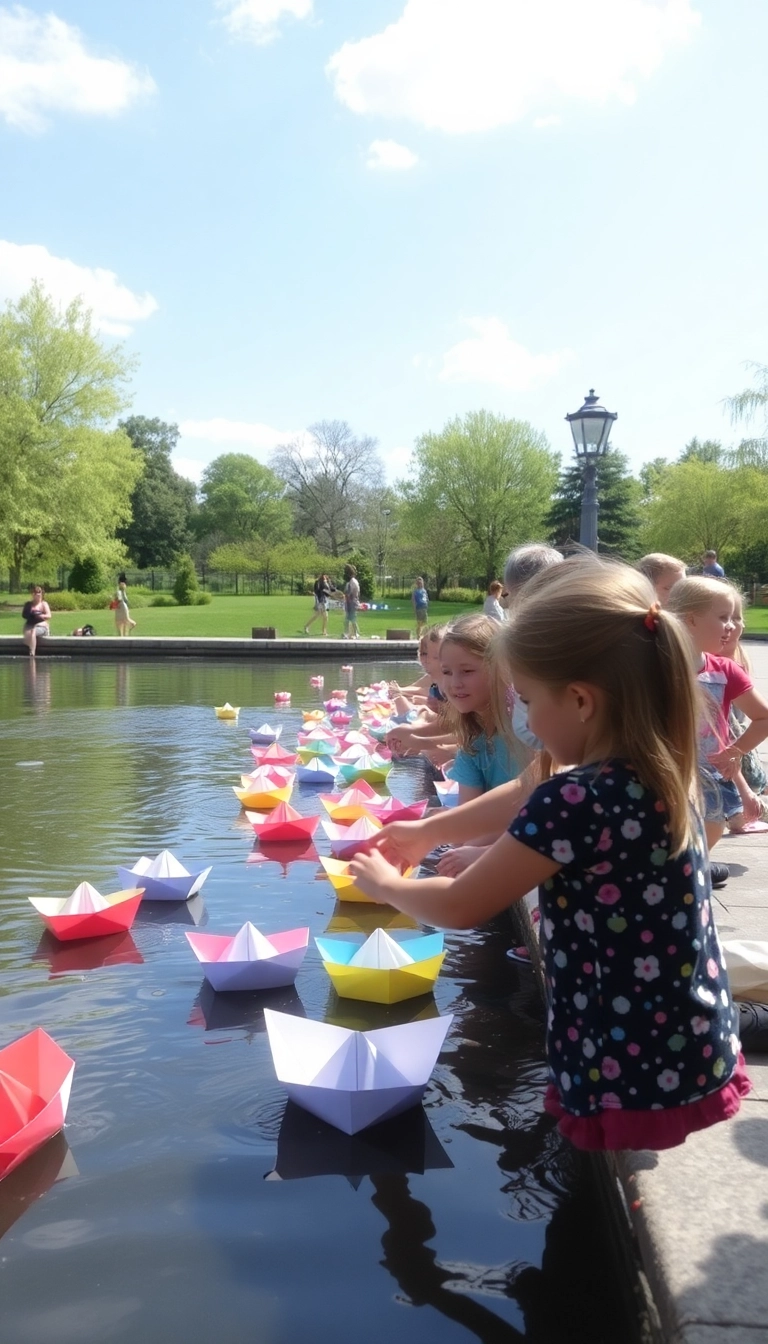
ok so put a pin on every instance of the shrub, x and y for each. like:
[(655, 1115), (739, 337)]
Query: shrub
[(85, 576), (202, 599), (163, 600), (461, 595), (66, 601), (185, 588)]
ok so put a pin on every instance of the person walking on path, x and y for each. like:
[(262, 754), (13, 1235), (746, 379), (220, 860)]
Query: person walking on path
[(711, 569), (420, 601), (492, 606), (123, 619), (322, 590), (351, 602), (37, 614)]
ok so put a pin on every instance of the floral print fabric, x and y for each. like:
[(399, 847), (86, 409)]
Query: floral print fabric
[(640, 1013)]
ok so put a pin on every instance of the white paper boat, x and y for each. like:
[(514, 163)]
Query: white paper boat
[(85, 900), (250, 960), (265, 734), (354, 1079), (164, 878), (349, 840)]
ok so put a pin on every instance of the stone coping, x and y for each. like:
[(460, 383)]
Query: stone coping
[(132, 647)]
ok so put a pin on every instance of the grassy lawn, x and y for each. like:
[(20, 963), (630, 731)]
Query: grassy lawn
[(757, 620), (233, 617)]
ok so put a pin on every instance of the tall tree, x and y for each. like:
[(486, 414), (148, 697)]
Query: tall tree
[(242, 499), (703, 450), (327, 474), (162, 503), (491, 480), (65, 479), (701, 506), (618, 494)]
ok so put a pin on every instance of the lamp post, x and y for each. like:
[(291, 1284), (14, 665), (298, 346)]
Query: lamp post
[(591, 428), (383, 538)]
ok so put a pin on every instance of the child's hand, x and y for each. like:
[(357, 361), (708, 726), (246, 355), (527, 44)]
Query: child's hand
[(403, 842), (727, 761), (456, 860), (377, 878), (751, 808)]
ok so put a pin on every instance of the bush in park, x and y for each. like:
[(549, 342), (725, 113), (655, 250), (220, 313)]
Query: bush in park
[(86, 576), (362, 564), (186, 588), (461, 595)]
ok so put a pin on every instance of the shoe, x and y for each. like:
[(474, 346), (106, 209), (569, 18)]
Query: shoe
[(519, 954), (719, 874)]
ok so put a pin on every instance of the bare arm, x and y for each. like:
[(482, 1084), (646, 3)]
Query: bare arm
[(756, 709)]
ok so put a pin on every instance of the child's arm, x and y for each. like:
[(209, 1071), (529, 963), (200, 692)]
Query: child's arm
[(456, 860), (750, 805), (502, 876), (755, 707)]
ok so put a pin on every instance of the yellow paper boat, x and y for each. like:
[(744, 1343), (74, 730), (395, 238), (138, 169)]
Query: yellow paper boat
[(265, 800), (227, 711), (383, 983), (338, 874), (313, 715)]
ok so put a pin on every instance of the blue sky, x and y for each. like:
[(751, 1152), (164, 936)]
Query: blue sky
[(396, 211)]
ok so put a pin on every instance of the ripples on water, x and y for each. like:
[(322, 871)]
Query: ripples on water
[(186, 1202)]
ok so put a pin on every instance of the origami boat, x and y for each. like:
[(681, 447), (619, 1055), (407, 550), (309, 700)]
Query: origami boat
[(282, 697), (317, 681), (250, 960), (382, 968), (338, 874), (227, 711), (88, 914), (448, 793), (350, 805), (353, 1079), (313, 715), (340, 718), (333, 704), (357, 738), (265, 789), (347, 667), (318, 770), (273, 755), (393, 809), (164, 878), (282, 823), (35, 1083), (265, 735), (310, 749), (346, 841), (373, 769), (340, 695)]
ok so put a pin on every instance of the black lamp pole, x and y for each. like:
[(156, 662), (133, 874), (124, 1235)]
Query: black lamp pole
[(591, 428)]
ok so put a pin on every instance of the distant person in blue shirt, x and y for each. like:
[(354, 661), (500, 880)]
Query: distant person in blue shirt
[(420, 600), (711, 568)]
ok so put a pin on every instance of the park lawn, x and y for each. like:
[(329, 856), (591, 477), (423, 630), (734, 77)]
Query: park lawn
[(756, 620), (234, 617)]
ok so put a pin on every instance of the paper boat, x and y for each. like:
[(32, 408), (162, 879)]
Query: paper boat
[(448, 793), (268, 772), (313, 715), (164, 878), (354, 1079), (265, 734), (308, 1147), (83, 916), (317, 681), (353, 752), (282, 697), (347, 667), (310, 749), (317, 735), (273, 755), (250, 960), (381, 968), (356, 738), (330, 706), (346, 841), (393, 809), (264, 790), (282, 823), (318, 770), (350, 805), (35, 1083), (338, 874), (370, 768), (340, 718), (227, 711)]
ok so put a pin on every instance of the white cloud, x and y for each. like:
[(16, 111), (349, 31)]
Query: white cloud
[(251, 434), (491, 356), (470, 65), (390, 156), (115, 307), (541, 122), (259, 20), (45, 67)]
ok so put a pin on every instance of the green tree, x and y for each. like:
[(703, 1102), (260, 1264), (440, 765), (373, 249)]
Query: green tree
[(185, 586), (327, 474), (242, 499), (65, 479), (491, 479), (86, 576), (163, 502), (703, 450), (618, 494), (428, 541), (701, 506)]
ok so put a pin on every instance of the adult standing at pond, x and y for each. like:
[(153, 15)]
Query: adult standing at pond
[(123, 619), (420, 601), (322, 590), (711, 569), (351, 602), (37, 614)]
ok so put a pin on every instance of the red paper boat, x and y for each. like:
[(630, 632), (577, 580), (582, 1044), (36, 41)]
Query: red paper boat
[(273, 754), (116, 918), (35, 1082), (392, 809), (283, 823)]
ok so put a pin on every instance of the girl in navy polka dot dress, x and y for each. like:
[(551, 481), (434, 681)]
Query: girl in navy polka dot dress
[(641, 1033)]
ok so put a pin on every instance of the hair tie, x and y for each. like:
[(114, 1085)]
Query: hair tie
[(651, 619)]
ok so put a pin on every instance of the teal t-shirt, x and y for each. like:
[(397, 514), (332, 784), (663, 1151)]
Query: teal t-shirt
[(487, 766)]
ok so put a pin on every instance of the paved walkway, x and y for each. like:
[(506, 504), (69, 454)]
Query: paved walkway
[(700, 1212)]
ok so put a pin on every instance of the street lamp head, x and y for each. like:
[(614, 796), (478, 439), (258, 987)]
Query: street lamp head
[(591, 427)]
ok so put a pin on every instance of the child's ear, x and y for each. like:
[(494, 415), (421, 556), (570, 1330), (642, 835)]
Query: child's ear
[(583, 700)]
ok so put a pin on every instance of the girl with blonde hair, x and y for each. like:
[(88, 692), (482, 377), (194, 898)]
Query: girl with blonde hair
[(642, 1035)]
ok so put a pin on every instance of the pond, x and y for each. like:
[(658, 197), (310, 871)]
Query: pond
[(185, 1201)]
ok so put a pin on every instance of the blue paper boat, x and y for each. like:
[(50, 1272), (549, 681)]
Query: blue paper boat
[(164, 878), (320, 770)]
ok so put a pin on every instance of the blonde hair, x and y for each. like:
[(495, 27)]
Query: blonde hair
[(657, 563), (477, 634), (695, 595), (740, 654), (495, 587), (598, 622), (434, 634)]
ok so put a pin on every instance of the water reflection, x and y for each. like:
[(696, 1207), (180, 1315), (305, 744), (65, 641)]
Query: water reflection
[(118, 949), (192, 911), (225, 1012), (34, 1178), (308, 1147)]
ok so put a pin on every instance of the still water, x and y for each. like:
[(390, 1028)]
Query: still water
[(185, 1201)]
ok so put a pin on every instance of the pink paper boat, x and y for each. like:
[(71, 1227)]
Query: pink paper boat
[(282, 697), (317, 681), (339, 694), (347, 667), (283, 823), (340, 718), (350, 805), (346, 841), (268, 960), (393, 809), (356, 738), (35, 1083), (332, 704), (273, 755), (115, 916)]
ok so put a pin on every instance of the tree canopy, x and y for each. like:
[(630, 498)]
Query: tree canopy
[(162, 502), (327, 474), (242, 499), (618, 516), (698, 506), (65, 478)]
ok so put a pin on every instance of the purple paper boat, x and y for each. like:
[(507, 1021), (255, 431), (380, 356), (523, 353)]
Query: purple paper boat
[(272, 960), (164, 878)]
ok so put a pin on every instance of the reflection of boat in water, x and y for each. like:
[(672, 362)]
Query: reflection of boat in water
[(192, 911), (91, 954), (227, 1012), (33, 1178), (307, 1146), (359, 1015)]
